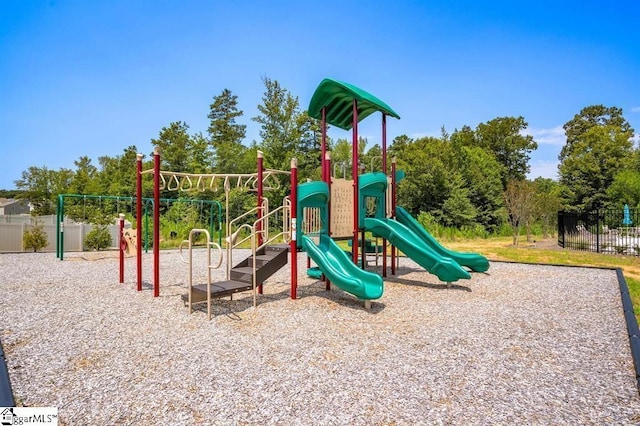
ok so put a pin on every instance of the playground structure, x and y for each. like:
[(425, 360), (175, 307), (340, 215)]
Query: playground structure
[(214, 214), (329, 210), (238, 278), (367, 203)]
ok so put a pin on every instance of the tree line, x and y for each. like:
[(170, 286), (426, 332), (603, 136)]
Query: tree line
[(472, 179)]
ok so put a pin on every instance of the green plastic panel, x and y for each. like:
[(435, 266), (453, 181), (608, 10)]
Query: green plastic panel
[(475, 262), (334, 263), (338, 96)]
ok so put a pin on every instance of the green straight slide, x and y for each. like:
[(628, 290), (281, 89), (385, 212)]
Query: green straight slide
[(473, 261), (340, 269), (445, 268)]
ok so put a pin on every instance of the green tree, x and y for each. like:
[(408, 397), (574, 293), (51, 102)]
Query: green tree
[(41, 187), (179, 151), (85, 178), (625, 189), (426, 164), (587, 118), (547, 203), (503, 137), (117, 175), (464, 137), (341, 158), (457, 209), (481, 173), (200, 155), (596, 156), (519, 198), (226, 135), (309, 147), (399, 145), (282, 125), (372, 159)]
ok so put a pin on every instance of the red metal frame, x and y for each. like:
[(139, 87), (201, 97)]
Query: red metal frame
[(260, 198), (139, 221), (384, 170), (293, 245), (121, 223), (354, 172), (327, 283), (393, 211), (323, 147), (260, 194), (156, 222)]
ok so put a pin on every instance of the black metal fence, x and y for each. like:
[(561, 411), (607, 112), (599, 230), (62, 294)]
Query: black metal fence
[(601, 231)]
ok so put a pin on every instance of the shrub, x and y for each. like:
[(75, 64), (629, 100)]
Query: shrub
[(98, 238), (35, 238), (620, 249), (582, 245)]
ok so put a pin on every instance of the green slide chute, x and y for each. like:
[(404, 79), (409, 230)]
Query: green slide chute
[(340, 270), (445, 268), (473, 261)]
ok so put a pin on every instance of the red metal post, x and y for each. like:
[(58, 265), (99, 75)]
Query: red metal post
[(323, 145), (139, 221), (260, 212), (156, 222), (384, 170), (327, 283), (122, 245), (260, 194), (393, 211), (293, 245), (354, 172)]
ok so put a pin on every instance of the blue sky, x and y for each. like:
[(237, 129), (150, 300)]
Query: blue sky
[(81, 77)]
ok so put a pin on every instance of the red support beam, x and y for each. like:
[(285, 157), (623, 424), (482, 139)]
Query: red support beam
[(323, 146), (156, 222), (260, 194), (139, 222), (393, 211), (384, 170), (327, 283), (122, 245), (260, 199), (354, 172), (293, 247)]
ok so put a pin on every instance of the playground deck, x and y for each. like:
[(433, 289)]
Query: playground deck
[(522, 344)]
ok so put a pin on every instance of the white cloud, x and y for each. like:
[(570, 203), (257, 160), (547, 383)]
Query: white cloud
[(635, 109), (552, 136), (415, 136), (545, 169)]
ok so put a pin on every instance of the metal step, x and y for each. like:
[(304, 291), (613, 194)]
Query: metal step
[(243, 273), (218, 289), (263, 258), (268, 261), (277, 247)]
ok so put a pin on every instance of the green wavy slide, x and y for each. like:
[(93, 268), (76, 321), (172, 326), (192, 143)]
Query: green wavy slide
[(340, 269), (473, 261), (445, 268)]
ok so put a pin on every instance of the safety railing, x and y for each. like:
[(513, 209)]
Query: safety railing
[(193, 234)]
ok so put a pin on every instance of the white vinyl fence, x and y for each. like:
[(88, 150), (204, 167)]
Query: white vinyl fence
[(12, 229)]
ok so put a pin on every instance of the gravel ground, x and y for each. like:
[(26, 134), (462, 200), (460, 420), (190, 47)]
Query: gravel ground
[(522, 344)]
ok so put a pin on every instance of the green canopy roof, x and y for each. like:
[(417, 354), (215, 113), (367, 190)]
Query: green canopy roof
[(338, 97)]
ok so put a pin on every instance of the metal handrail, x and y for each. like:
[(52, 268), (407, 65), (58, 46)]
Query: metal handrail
[(230, 244), (255, 248), (210, 244)]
